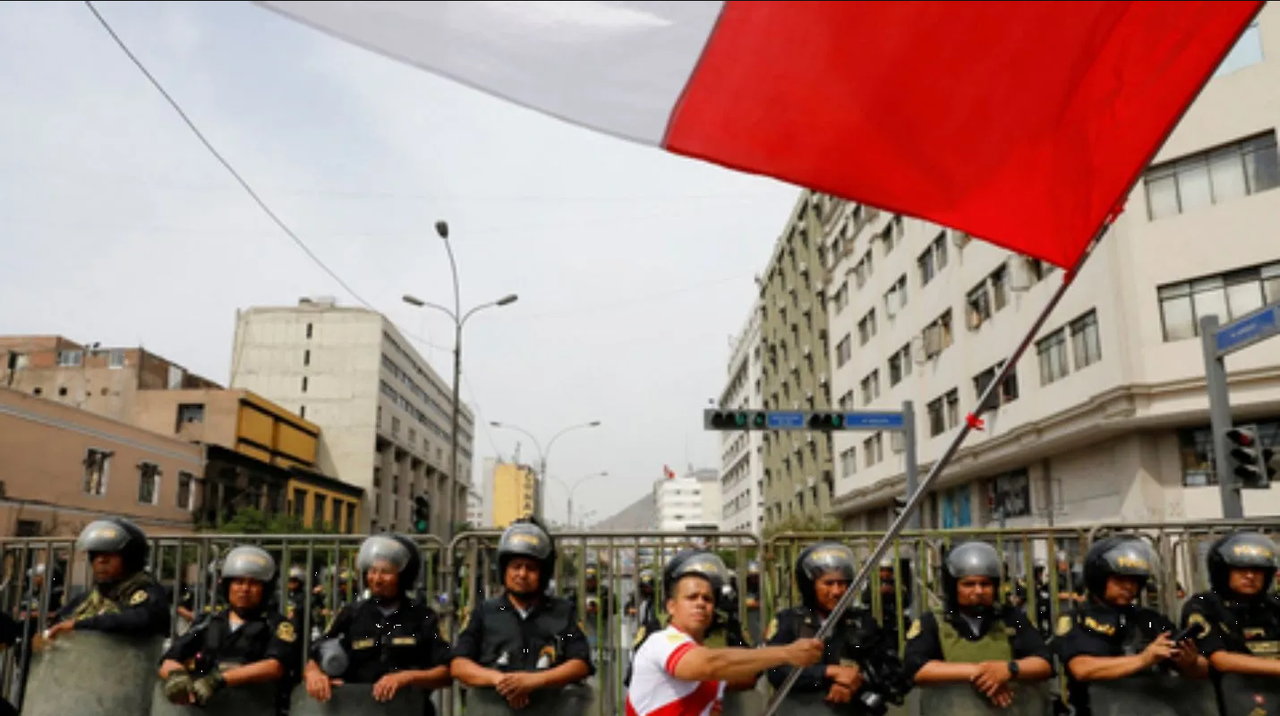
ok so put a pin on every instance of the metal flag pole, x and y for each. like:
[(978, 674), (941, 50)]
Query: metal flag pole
[(913, 501)]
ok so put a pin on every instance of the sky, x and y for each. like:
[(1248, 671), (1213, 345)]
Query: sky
[(634, 267)]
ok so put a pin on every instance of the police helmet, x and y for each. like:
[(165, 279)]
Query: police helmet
[(1242, 550), (646, 577), (398, 551), (818, 559), (970, 559), (695, 562), (592, 571), (116, 534), (1121, 556), (248, 563), (296, 572), (526, 538)]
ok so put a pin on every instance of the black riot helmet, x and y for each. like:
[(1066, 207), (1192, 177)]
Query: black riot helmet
[(116, 534), (695, 562), (1242, 550), (248, 563), (527, 538), (818, 559), (398, 551), (969, 559), (1120, 556)]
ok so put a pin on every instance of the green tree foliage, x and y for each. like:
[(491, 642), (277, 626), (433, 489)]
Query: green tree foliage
[(252, 521), (801, 524)]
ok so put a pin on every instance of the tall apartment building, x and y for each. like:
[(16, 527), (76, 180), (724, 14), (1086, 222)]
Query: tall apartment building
[(742, 453), (511, 491), (691, 501), (797, 474), (383, 411), (1105, 417)]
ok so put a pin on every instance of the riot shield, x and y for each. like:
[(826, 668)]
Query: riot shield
[(1162, 694), (814, 703), (93, 674), (743, 703), (357, 700), (573, 700), (962, 699), (247, 700), (1242, 695)]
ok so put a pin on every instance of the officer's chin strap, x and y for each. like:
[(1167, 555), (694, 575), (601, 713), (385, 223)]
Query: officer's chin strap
[(913, 501)]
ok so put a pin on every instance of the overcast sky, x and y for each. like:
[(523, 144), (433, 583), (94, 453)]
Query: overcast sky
[(633, 266)]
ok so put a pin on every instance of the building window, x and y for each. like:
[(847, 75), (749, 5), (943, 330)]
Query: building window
[(70, 359), (115, 358), (306, 357), (953, 408), (863, 269), (1000, 287), (302, 412), (1229, 296), (867, 327), (1052, 350), (1010, 493), (1008, 391), (844, 351), (937, 419), (317, 510), (395, 425), (185, 480), (934, 259), (148, 483), (351, 518), (97, 464), (979, 305), (1086, 347), (873, 449), (308, 331), (937, 335), (896, 297), (1246, 52), (299, 502), (1213, 176), (1195, 447), (190, 413), (871, 387), (842, 296), (304, 383)]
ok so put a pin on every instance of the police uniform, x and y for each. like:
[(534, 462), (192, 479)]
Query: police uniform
[(497, 636), (134, 606), (949, 636), (857, 640), (214, 643), (379, 641), (1223, 621), (1099, 629)]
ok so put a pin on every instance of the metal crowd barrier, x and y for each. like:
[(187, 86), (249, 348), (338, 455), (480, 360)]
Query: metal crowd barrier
[(456, 576)]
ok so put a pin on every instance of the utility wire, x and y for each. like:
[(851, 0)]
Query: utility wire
[(253, 194)]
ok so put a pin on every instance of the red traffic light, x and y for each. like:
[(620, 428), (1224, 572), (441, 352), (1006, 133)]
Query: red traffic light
[(1242, 437)]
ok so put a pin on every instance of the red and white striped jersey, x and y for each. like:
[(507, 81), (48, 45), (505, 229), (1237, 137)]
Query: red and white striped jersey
[(655, 690)]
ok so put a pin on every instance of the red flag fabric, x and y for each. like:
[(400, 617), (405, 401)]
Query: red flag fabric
[(1021, 123)]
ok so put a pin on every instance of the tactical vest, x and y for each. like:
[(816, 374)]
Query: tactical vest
[(995, 645), (503, 646), (111, 602)]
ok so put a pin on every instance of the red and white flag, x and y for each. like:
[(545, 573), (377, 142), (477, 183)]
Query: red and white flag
[(1023, 123), (667, 472)]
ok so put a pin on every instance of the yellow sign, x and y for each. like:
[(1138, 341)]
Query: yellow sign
[(1133, 563), (1251, 550)]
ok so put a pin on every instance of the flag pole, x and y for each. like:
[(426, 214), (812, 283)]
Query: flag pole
[(972, 421)]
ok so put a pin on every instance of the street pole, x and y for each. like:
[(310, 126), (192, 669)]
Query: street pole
[(1215, 374), (540, 491), (913, 466), (453, 430)]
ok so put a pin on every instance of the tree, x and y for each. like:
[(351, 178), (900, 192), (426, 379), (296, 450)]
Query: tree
[(796, 523), (252, 521)]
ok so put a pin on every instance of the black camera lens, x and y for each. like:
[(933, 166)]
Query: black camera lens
[(873, 703)]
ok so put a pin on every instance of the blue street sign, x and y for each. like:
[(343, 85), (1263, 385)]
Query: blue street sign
[(873, 421), (1255, 327), (784, 421)]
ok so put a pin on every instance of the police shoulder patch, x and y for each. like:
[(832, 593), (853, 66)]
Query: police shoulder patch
[(466, 618), (1063, 626), (915, 629), (138, 597), (285, 632), (1197, 620), (771, 630), (641, 633)]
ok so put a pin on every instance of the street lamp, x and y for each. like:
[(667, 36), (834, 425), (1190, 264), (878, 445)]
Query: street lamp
[(572, 488), (542, 457), (459, 320)]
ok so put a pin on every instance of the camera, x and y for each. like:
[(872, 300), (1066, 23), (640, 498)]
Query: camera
[(884, 680)]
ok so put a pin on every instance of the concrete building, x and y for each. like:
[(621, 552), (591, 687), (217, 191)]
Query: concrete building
[(61, 468), (384, 412), (742, 453), (691, 501), (1105, 418), (511, 492), (477, 516), (797, 474)]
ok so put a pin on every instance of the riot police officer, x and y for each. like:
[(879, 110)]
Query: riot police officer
[(241, 642), (640, 604), (1119, 655), (388, 639), (1236, 623), (860, 670), (523, 643), (125, 599), (976, 642)]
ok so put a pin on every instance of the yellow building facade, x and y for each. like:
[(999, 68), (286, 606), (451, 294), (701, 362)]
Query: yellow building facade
[(513, 493)]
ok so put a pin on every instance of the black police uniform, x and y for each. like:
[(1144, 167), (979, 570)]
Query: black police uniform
[(136, 606), (1098, 629), (212, 642), (1249, 627), (380, 643), (496, 636), (924, 643), (857, 639)]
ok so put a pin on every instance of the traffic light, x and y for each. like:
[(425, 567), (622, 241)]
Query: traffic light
[(899, 506), (826, 421), (421, 515), (1250, 462), (737, 420)]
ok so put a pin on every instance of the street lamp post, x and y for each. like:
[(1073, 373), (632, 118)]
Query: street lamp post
[(459, 320), (570, 489), (539, 505)]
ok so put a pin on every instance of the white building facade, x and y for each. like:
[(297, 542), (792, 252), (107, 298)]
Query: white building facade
[(1105, 418), (691, 501), (742, 453), (384, 413)]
